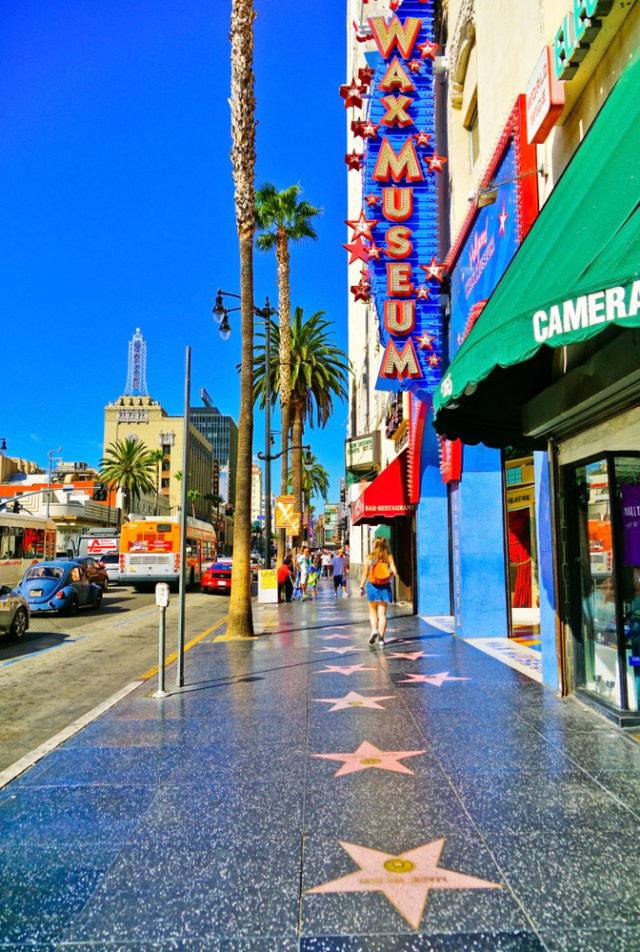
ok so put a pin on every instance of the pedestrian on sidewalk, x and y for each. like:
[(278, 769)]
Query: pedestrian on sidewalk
[(285, 580), (338, 564), (304, 563), (312, 582), (326, 564), (376, 576)]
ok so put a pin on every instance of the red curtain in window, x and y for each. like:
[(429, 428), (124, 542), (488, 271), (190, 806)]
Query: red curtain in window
[(520, 555)]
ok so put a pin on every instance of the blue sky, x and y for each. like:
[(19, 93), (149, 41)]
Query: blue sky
[(117, 202)]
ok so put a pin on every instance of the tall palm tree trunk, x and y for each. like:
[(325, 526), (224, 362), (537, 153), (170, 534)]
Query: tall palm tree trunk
[(284, 310), (297, 433), (243, 159)]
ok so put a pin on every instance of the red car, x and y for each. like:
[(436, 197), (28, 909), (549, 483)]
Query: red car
[(217, 578)]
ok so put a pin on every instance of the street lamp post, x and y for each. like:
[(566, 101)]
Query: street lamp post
[(220, 313), (50, 454)]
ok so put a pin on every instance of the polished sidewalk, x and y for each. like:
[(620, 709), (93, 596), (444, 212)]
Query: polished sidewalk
[(305, 791)]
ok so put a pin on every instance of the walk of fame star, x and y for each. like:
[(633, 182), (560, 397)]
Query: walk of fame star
[(340, 650), (369, 756), (353, 699), (435, 679), (406, 879), (333, 637), (411, 656), (346, 669)]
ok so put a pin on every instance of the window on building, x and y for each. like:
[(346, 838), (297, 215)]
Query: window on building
[(473, 130)]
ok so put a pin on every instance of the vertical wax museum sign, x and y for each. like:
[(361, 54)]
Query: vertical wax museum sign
[(395, 235)]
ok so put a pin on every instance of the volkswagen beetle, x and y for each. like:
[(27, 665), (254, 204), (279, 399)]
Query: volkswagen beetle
[(59, 587)]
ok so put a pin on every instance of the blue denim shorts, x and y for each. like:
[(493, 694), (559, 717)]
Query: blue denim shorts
[(379, 593)]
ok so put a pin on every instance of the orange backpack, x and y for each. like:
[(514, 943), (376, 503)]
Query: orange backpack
[(379, 573)]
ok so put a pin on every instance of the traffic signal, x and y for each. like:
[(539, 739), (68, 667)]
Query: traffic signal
[(100, 492)]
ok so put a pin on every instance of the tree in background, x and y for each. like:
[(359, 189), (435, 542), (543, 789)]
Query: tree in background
[(127, 463), (319, 372), (243, 161), (156, 457), (193, 495), (281, 219)]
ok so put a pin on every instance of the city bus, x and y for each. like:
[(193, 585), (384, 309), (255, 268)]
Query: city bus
[(150, 550), (24, 539)]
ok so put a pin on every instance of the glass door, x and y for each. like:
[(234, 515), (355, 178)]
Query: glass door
[(627, 548)]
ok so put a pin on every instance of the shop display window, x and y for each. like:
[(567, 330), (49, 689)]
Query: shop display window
[(605, 584)]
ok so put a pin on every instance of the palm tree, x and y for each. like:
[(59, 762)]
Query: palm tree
[(156, 457), (318, 374), (243, 161), (193, 495), (281, 219), (126, 463), (315, 482)]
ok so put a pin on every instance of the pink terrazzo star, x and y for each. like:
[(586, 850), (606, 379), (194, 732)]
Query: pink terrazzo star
[(405, 880), (353, 699), (333, 637), (340, 650), (368, 756), (337, 669), (411, 656), (436, 679)]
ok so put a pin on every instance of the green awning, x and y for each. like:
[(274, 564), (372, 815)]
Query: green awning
[(575, 275)]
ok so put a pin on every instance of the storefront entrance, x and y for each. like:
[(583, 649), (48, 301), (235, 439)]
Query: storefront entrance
[(521, 553), (604, 534)]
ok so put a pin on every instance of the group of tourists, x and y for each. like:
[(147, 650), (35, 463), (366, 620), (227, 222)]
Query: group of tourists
[(299, 578)]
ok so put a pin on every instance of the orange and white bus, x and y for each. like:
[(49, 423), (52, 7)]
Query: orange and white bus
[(150, 550), (24, 539)]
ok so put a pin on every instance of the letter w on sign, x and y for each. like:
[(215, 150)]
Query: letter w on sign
[(284, 511)]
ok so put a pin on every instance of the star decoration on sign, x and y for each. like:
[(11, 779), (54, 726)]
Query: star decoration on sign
[(415, 66), (361, 291), (425, 342), (372, 200), (357, 251), (411, 656), (370, 131), (433, 269), (357, 126), (353, 699), (422, 137), (340, 650), (367, 756), (346, 670), (352, 94), (362, 226), (436, 679), (374, 252), (405, 879), (365, 75), (502, 218), (422, 292), (427, 49), (353, 160), (436, 162), (433, 360)]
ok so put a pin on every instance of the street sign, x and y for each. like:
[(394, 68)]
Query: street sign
[(284, 511), (97, 546)]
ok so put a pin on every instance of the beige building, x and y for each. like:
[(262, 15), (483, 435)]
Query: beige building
[(142, 418)]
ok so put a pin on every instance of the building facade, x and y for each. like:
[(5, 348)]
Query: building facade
[(222, 432), (142, 418), (526, 516)]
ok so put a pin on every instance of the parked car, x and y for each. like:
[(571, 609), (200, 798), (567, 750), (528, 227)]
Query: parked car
[(217, 578), (110, 561), (14, 613), (59, 586), (96, 570)]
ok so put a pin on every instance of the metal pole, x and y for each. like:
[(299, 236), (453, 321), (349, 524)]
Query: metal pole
[(183, 520), (161, 642), (267, 436), (51, 452)]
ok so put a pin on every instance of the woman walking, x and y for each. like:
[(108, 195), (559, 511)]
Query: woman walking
[(376, 576)]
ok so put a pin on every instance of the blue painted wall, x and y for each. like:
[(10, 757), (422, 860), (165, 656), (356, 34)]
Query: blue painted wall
[(432, 532), (480, 599), (544, 541)]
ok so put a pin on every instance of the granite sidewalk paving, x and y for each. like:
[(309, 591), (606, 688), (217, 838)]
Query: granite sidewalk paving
[(305, 791)]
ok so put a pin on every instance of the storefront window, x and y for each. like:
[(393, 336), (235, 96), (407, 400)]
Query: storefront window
[(519, 495), (607, 579)]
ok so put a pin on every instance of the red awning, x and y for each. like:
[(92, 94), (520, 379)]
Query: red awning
[(386, 497)]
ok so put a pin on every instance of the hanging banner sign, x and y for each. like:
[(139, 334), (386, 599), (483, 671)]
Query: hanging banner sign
[(395, 235), (284, 511)]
